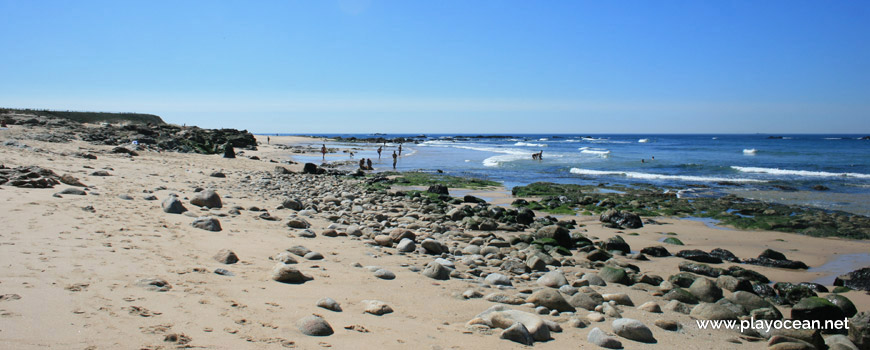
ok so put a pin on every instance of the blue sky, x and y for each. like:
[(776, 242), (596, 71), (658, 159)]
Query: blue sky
[(448, 66)]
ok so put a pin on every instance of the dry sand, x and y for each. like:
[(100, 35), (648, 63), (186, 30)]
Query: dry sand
[(76, 271)]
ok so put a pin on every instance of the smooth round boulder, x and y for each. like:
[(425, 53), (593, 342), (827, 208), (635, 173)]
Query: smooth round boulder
[(633, 329), (314, 325)]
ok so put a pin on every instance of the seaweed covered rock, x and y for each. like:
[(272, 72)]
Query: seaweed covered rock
[(699, 256), (858, 279), (772, 258), (620, 219), (28, 177)]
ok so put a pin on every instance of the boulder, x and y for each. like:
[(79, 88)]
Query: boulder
[(614, 275), (633, 329), (586, 300), (558, 233), (699, 256), (226, 256), (497, 279), (438, 189), (681, 295), (288, 274), (376, 307), (207, 223), (314, 325), (553, 279), (705, 290), (657, 251), (436, 271), (710, 311), (815, 308), (843, 303), (597, 337), (772, 258), (172, 205), (859, 330), (329, 304), (517, 333), (550, 299), (620, 219), (858, 279)]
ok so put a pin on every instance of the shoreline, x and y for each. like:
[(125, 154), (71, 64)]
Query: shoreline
[(79, 264)]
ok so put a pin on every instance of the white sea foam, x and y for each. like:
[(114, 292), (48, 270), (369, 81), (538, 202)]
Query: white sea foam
[(750, 151), (648, 176), (527, 144), (777, 171), (542, 139), (643, 140), (504, 158), (600, 152)]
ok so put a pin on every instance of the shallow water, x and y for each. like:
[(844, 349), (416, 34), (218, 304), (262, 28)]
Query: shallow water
[(839, 265)]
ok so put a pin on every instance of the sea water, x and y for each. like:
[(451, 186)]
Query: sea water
[(690, 164)]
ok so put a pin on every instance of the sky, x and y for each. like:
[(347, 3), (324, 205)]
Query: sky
[(448, 66)]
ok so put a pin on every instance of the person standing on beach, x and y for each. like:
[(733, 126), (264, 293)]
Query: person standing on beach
[(395, 157), (268, 140), (323, 151), (400, 149), (379, 151), (362, 163)]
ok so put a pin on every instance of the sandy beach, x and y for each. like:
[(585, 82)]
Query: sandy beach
[(75, 267)]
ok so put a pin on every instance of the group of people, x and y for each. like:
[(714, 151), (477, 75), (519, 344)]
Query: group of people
[(366, 164)]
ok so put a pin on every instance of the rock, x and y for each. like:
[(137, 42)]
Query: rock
[(207, 223), (438, 189), (329, 304), (677, 306), (288, 274), (226, 256), (724, 254), (299, 250), (700, 269), (598, 337), (517, 333), (432, 246), (668, 325), (618, 298), (125, 197), (504, 299), (313, 256), (595, 317), (553, 279), (705, 290), (436, 271), (793, 293), (732, 284), (617, 243), (744, 274), (292, 204), (681, 295), (593, 279), (586, 300), (101, 173), (772, 258), (229, 152), (839, 342), (397, 234), (311, 168), (633, 329), (620, 219), (207, 198), (750, 301), (376, 307), (172, 205), (406, 245), (218, 174), (298, 223), (68, 179), (598, 255), (73, 191), (816, 308), (471, 294), (610, 311), (673, 241), (314, 325), (223, 272), (525, 216), (497, 279), (559, 234), (550, 299), (859, 330), (858, 279), (614, 275), (385, 274), (843, 303), (154, 284), (699, 256), (499, 316), (657, 251), (284, 257), (710, 311), (651, 307)]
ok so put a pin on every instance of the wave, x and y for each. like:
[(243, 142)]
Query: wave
[(750, 151), (595, 151), (527, 144), (643, 140), (834, 138), (777, 171), (649, 176), (504, 158), (542, 139)]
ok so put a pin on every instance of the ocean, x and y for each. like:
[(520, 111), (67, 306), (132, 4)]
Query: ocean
[(782, 168)]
